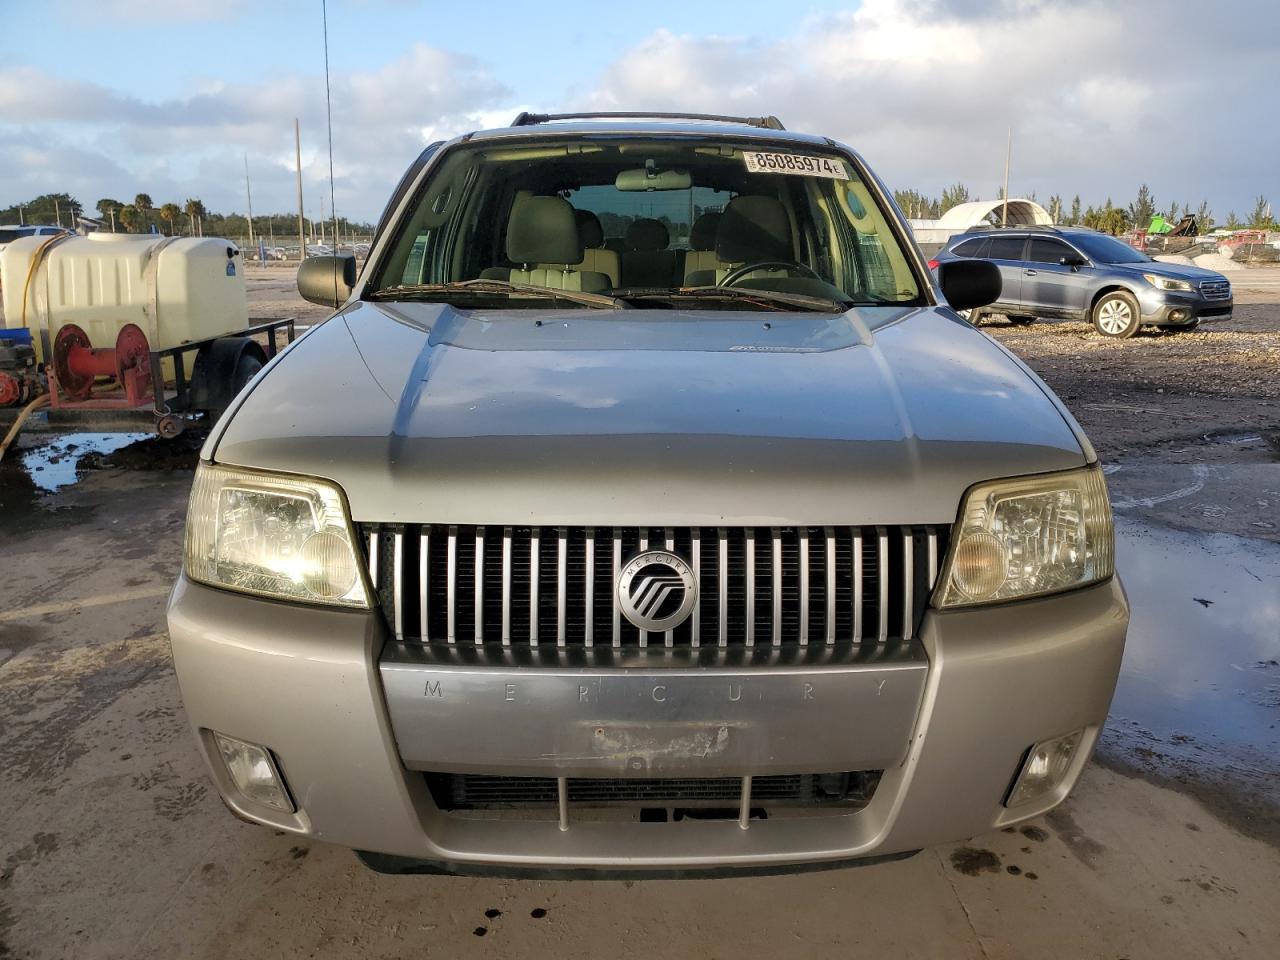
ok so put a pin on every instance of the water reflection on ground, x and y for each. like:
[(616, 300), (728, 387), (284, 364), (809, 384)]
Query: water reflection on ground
[(54, 464), (1199, 693)]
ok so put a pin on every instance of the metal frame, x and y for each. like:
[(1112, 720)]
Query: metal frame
[(109, 410), (525, 119), (181, 400)]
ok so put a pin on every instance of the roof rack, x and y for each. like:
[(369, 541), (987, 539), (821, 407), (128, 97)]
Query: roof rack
[(525, 119), (1025, 227)]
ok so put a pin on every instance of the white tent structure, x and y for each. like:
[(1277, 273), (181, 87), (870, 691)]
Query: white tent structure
[(963, 216)]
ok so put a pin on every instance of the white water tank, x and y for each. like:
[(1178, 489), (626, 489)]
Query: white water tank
[(175, 289)]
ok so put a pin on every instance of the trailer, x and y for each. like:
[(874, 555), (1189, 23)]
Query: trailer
[(128, 334)]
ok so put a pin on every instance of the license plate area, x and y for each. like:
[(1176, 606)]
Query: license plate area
[(577, 721)]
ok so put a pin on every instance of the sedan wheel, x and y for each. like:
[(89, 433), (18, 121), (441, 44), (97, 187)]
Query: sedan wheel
[(1116, 315)]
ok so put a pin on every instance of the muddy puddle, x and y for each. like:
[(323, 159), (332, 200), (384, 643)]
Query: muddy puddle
[(41, 476), (1199, 692), (55, 463)]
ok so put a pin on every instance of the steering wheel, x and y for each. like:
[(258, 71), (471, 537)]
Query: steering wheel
[(733, 276)]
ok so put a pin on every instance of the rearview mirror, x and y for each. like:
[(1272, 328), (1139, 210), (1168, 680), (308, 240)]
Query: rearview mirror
[(969, 283), (648, 179), (327, 280), (1073, 260)]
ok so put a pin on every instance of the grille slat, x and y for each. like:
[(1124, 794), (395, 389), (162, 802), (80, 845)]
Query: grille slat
[(480, 791), (1215, 289), (766, 586)]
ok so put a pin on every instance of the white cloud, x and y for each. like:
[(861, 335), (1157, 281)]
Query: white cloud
[(1101, 98), (194, 144)]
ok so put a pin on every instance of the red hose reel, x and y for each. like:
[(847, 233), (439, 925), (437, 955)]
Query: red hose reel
[(77, 364)]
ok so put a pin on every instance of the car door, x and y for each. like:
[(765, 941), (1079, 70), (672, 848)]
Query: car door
[(1006, 253), (1050, 286)]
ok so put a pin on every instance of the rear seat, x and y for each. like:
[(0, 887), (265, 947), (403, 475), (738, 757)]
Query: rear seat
[(542, 236), (647, 262), (701, 258)]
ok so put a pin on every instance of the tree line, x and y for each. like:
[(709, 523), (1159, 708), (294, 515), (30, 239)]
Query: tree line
[(1108, 217), (141, 215)]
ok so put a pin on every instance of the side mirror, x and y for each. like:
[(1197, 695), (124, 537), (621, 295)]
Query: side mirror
[(1073, 260), (969, 283), (327, 280)]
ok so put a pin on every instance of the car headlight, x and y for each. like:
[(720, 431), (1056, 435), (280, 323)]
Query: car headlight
[(1167, 283), (275, 536), (1028, 537)]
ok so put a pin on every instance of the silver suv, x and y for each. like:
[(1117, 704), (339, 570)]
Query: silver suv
[(1075, 273), (645, 509)]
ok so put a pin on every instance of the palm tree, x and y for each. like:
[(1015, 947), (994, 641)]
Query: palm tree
[(143, 202), (193, 208), (169, 213), (131, 218)]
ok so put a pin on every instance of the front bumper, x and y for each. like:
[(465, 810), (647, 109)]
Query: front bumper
[(1168, 308), (327, 694)]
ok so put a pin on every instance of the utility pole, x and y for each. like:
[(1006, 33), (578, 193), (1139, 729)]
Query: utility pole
[(297, 154), (248, 196), (57, 212), (1008, 155), (328, 109), (112, 212), (22, 215)]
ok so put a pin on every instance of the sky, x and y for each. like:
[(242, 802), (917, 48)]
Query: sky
[(107, 98)]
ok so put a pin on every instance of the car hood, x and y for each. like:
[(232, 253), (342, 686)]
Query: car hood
[(422, 412), (1175, 271)]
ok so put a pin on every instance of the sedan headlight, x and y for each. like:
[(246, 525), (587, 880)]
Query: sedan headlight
[(1027, 537), (275, 536), (1168, 283)]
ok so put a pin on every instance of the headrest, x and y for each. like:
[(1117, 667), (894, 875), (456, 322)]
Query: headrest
[(542, 230), (702, 235), (646, 236), (753, 229), (589, 230)]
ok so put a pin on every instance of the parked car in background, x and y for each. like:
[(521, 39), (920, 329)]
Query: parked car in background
[(542, 557), (12, 231), (1075, 273)]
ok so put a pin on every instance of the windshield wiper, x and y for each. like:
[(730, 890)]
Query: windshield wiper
[(769, 299), (484, 285)]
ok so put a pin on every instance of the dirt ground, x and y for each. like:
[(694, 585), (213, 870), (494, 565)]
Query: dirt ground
[(113, 843), (1212, 394)]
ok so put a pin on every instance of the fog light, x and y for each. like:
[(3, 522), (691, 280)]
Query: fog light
[(254, 773), (1178, 315), (1046, 765)]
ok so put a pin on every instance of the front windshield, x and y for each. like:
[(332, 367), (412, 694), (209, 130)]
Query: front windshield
[(647, 223), (1105, 249)]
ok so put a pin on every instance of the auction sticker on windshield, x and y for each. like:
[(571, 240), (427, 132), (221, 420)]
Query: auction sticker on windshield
[(794, 163)]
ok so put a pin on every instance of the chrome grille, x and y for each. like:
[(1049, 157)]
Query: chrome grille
[(1215, 289), (555, 586)]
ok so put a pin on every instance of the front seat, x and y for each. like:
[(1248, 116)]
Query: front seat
[(751, 230), (646, 261), (595, 256), (542, 237)]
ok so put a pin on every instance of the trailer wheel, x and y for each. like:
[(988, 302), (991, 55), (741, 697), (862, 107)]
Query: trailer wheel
[(222, 369)]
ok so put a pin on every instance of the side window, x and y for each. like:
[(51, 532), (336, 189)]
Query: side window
[(417, 255), (1047, 251), (1006, 248), (973, 248)]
